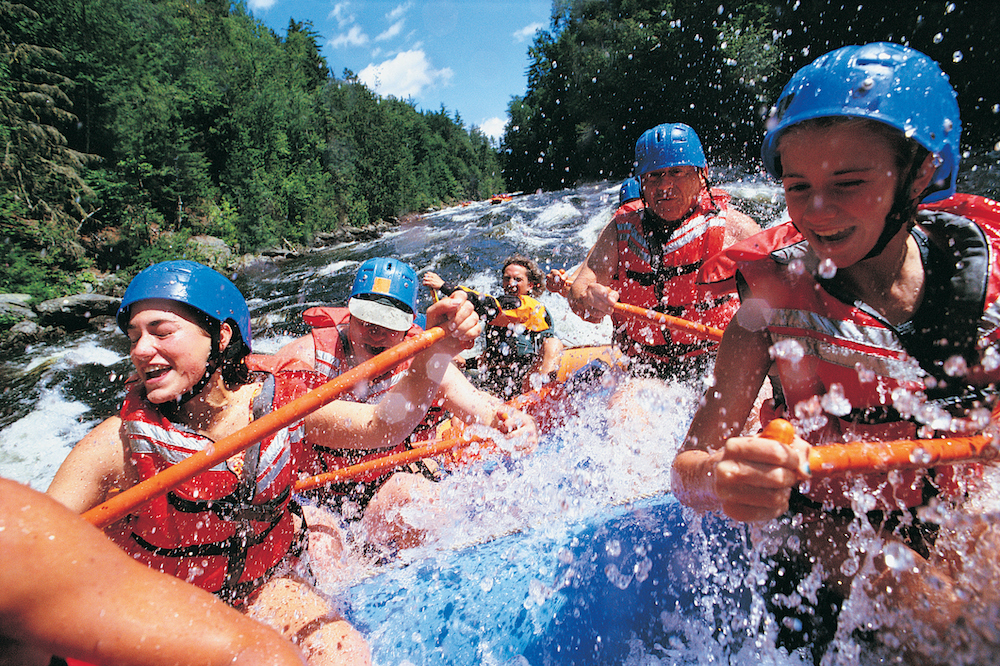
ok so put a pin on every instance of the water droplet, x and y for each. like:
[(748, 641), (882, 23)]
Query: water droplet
[(938, 37), (867, 84), (956, 56), (898, 557), (956, 366), (797, 267), (865, 374), (613, 548), (835, 402), (921, 456), (827, 269), (991, 358), (788, 350)]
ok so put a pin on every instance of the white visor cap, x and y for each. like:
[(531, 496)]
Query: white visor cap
[(381, 313)]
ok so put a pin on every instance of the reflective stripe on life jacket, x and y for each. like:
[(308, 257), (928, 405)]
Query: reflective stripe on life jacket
[(665, 277), (226, 529), (847, 375)]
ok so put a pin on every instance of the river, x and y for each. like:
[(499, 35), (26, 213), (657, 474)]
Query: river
[(591, 473)]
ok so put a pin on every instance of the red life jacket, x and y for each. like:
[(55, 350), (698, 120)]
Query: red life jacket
[(332, 359), (838, 360), (667, 279), (226, 529)]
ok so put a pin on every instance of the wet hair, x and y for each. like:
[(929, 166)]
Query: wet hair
[(231, 361), (535, 277)]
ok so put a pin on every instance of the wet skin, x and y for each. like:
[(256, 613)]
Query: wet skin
[(671, 193), (168, 349)]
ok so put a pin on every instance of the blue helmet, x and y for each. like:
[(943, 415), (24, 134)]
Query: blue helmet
[(889, 83), (629, 191), (193, 284), (385, 294), (667, 146)]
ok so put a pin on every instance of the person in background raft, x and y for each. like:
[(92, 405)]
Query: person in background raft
[(232, 530), (66, 589), (652, 256), (521, 350), (879, 318), (380, 314)]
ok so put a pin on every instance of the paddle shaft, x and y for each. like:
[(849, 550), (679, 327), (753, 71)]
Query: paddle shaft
[(694, 328), (385, 463), (900, 454), (128, 500)]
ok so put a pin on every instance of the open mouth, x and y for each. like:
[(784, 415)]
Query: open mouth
[(836, 236), (155, 373)]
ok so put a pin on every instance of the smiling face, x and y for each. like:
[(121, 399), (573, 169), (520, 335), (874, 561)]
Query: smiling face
[(840, 182), (368, 340), (671, 193), (169, 350), (516, 281)]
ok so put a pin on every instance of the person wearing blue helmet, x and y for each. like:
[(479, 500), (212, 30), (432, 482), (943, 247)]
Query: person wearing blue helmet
[(232, 530), (651, 255), (875, 315), (381, 313)]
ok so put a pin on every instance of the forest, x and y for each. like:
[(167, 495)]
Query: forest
[(607, 70), (131, 126)]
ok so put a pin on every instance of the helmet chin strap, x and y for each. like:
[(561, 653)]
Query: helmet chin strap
[(211, 365), (904, 207)]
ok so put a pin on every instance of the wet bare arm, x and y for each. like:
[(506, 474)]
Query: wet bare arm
[(65, 589), (749, 478), (590, 297), (363, 426), (94, 466)]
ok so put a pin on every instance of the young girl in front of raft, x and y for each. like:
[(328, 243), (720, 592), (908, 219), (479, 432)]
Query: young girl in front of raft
[(234, 529), (878, 318)]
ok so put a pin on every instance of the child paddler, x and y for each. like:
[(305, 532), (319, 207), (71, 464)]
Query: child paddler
[(231, 530), (879, 322), (381, 313), (520, 347)]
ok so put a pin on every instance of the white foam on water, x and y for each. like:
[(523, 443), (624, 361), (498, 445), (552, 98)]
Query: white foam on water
[(33, 447)]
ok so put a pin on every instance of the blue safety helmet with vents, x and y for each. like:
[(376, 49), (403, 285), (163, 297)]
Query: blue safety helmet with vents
[(889, 83), (629, 191), (385, 294), (193, 284), (669, 145)]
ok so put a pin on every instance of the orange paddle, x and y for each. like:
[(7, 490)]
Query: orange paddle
[(694, 328), (386, 463), (125, 502), (899, 454)]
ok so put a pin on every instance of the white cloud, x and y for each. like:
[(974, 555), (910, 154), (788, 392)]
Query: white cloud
[(405, 75), (341, 13), (528, 32), (393, 30), (398, 11), (493, 127), (353, 37), (254, 5)]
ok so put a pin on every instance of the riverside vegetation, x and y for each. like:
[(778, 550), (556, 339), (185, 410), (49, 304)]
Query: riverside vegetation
[(135, 131)]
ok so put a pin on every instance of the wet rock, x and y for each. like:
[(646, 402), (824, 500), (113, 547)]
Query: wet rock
[(78, 311), (16, 306), (210, 250)]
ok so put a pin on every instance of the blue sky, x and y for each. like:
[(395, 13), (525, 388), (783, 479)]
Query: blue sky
[(468, 55)]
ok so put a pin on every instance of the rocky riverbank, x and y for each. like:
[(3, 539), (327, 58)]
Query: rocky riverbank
[(23, 322)]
